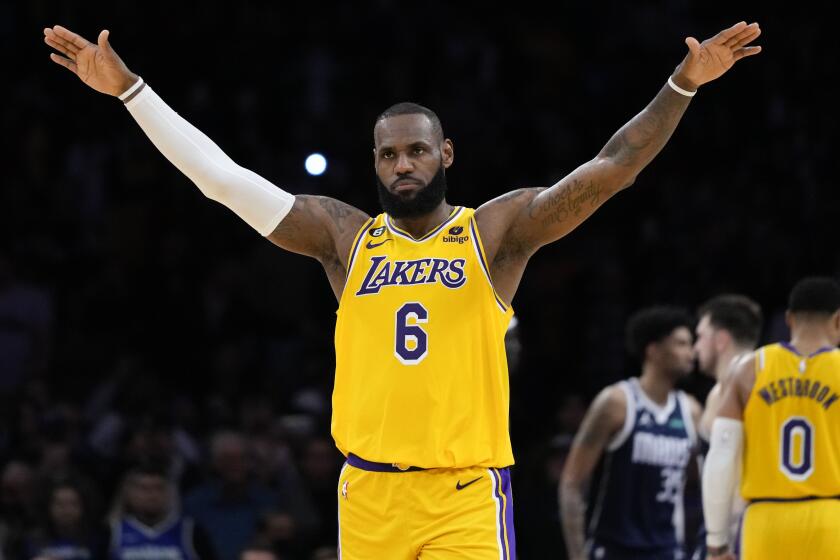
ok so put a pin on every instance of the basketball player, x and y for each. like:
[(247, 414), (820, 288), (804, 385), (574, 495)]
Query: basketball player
[(149, 525), (728, 331), (420, 405), (781, 411), (644, 430)]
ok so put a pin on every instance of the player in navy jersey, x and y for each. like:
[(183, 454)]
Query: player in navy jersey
[(150, 527), (643, 429)]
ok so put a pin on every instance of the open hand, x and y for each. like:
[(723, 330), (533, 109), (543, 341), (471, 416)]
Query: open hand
[(710, 59), (96, 64)]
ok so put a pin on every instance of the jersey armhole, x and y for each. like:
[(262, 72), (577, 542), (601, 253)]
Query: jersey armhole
[(688, 418), (354, 248), (482, 259), (629, 417)]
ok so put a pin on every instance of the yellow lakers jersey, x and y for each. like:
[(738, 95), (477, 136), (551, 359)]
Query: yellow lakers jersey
[(792, 425), (421, 373)]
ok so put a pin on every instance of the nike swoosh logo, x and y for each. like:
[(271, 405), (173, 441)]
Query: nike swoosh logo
[(371, 244), (460, 486)]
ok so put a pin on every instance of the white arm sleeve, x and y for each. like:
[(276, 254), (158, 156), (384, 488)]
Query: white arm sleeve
[(260, 203), (720, 471)]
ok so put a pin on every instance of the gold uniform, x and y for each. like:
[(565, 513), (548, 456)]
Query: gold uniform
[(420, 404), (791, 476)]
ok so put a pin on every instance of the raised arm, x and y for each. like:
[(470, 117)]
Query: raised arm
[(603, 420), (519, 223), (319, 227)]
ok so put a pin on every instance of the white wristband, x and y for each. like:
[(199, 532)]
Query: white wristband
[(132, 89), (680, 90)]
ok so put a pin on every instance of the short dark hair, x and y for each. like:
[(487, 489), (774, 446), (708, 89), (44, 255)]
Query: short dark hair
[(408, 108), (737, 314), (652, 324), (815, 294)]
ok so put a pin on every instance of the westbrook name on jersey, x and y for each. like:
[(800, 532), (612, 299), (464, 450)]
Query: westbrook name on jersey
[(638, 510), (421, 374), (792, 425)]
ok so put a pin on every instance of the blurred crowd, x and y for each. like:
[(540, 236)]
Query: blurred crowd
[(161, 365)]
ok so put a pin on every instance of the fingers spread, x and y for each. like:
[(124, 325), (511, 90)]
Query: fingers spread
[(79, 41), (746, 51), (693, 45), (725, 35), (66, 46), (102, 40), (60, 48), (67, 63), (745, 36)]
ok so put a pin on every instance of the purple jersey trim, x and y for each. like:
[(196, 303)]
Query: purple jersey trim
[(356, 245), (394, 229), (793, 349), (478, 249)]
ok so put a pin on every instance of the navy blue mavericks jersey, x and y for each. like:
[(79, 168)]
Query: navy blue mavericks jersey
[(700, 547), (170, 540), (638, 511)]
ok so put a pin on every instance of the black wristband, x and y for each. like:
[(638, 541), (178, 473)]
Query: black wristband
[(717, 550)]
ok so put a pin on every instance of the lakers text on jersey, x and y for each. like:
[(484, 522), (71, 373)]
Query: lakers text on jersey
[(421, 373)]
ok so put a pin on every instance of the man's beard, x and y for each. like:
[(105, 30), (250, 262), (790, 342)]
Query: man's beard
[(423, 202)]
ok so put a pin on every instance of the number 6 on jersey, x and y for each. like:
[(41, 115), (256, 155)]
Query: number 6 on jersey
[(411, 342)]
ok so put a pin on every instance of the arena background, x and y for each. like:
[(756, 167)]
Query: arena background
[(124, 294)]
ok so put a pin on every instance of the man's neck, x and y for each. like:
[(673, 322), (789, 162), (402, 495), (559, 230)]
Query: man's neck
[(724, 363), (151, 520), (807, 339), (418, 226), (656, 384)]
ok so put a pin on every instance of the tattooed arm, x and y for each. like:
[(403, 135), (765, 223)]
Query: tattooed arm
[(516, 227), (322, 228), (603, 420)]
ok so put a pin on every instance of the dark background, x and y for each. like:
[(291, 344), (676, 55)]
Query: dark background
[(116, 274)]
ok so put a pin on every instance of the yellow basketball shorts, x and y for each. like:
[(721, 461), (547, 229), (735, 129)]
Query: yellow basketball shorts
[(786, 530), (433, 514)]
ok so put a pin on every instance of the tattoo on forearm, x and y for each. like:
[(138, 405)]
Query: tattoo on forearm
[(573, 514), (570, 200), (638, 141)]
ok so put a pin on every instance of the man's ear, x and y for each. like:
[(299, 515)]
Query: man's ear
[(447, 153)]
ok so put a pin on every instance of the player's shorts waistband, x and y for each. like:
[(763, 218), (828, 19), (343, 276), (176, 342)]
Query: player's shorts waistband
[(359, 463), (789, 500)]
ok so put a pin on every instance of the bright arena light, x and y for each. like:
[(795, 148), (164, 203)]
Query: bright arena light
[(315, 164)]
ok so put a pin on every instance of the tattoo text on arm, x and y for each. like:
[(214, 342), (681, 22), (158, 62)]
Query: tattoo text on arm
[(571, 200)]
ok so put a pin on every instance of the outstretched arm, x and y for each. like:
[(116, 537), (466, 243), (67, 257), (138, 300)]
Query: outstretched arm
[(319, 227), (602, 421), (549, 214)]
